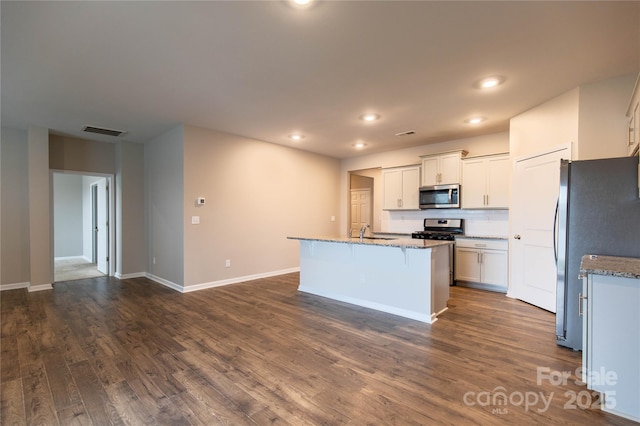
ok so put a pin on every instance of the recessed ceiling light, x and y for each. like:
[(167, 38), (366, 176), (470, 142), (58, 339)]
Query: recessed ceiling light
[(296, 136), (475, 120), (359, 145), (301, 2), (370, 117), (490, 82)]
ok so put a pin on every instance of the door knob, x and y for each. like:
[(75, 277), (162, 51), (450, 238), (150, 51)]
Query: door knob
[(517, 236)]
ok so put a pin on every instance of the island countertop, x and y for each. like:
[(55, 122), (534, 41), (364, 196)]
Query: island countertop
[(372, 241), (626, 267)]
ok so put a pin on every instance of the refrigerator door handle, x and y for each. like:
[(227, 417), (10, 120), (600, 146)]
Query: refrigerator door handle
[(555, 232), (560, 250)]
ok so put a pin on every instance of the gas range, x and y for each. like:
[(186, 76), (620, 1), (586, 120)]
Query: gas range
[(426, 235), (444, 230), (440, 229)]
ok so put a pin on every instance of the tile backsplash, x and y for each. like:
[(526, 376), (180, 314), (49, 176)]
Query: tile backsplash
[(476, 222)]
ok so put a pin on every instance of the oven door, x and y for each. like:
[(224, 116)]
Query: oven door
[(440, 197)]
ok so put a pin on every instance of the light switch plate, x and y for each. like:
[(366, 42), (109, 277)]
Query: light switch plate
[(195, 220)]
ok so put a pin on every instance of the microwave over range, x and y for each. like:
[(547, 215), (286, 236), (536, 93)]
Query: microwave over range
[(440, 197)]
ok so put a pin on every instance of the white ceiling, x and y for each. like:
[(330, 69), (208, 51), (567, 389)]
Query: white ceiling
[(266, 69)]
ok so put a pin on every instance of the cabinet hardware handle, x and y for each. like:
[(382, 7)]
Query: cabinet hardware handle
[(580, 299)]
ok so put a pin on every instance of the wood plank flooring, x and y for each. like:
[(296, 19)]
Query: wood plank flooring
[(104, 351)]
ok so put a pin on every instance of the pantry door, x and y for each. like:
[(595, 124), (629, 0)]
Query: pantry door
[(535, 194)]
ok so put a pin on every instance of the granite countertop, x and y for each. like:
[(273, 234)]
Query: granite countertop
[(483, 237), (625, 267), (396, 242)]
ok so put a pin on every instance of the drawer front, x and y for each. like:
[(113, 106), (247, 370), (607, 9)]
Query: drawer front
[(477, 243)]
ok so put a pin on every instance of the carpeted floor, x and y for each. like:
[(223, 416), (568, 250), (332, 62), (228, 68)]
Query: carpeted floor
[(75, 269)]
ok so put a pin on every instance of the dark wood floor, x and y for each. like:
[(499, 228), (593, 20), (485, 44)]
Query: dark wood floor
[(103, 351)]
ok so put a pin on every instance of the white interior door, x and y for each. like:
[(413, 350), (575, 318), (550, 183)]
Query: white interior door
[(361, 208), (102, 225), (535, 193)]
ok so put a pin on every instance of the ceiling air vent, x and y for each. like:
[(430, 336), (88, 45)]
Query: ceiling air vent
[(408, 132), (103, 131)]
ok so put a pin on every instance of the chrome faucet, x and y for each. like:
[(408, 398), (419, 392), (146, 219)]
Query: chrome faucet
[(363, 229)]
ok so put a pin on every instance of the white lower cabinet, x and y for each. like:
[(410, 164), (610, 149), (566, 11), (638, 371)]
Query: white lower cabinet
[(482, 263), (611, 342)]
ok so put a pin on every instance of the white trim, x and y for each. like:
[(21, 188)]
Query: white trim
[(14, 286), (72, 258), (164, 282), (236, 280), (39, 287), (120, 276), (568, 146), (213, 284), (418, 316)]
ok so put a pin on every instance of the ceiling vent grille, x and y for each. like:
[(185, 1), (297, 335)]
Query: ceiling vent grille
[(103, 131), (407, 133)]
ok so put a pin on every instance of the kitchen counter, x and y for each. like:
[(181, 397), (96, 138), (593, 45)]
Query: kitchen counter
[(404, 276), (625, 267), (373, 241)]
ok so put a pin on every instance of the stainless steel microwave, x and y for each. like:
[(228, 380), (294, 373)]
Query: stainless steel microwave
[(440, 197)]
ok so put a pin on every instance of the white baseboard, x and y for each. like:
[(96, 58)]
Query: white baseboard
[(85, 258), (236, 280), (164, 282), (39, 287), (120, 276), (14, 286), (219, 283)]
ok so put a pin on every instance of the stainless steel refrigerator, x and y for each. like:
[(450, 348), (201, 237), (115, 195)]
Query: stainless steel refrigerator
[(598, 213)]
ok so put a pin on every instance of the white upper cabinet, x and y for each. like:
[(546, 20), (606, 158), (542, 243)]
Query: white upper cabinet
[(401, 188), (441, 169), (633, 114), (485, 182)]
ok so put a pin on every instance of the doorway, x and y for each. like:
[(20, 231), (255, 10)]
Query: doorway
[(364, 200), (81, 233), (361, 209)]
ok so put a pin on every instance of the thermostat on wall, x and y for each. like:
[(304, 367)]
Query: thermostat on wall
[(200, 201)]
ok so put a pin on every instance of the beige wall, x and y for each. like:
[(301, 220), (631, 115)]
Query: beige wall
[(27, 157), (590, 117), (80, 155), (545, 127), (14, 188), (40, 226), (602, 124), (164, 181), (131, 238), (256, 194)]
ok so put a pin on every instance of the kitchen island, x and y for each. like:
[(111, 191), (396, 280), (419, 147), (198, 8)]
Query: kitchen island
[(405, 277)]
